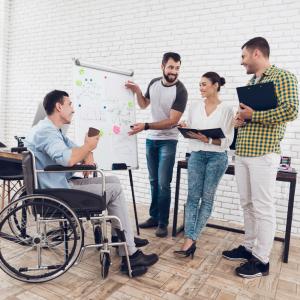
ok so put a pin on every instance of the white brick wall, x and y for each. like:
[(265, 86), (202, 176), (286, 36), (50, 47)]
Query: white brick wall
[(45, 35), (3, 60)]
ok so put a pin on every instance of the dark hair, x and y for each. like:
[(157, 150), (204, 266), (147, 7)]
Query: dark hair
[(215, 77), (259, 43), (175, 56), (52, 98)]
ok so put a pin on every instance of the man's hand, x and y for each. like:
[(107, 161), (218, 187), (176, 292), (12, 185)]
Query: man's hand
[(182, 124), (80, 153), (136, 128), (238, 121), (91, 142), (133, 87), (201, 137), (245, 112)]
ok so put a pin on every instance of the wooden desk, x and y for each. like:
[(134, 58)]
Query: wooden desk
[(290, 177), (11, 156)]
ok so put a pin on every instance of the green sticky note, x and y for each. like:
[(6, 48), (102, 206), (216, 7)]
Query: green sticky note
[(130, 104), (81, 71), (101, 133), (78, 82)]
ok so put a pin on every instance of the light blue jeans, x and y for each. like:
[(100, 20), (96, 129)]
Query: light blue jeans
[(205, 170), (160, 161)]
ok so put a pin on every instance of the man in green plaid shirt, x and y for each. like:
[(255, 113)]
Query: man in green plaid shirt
[(258, 157)]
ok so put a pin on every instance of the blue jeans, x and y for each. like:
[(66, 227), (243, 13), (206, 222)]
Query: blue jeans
[(160, 161), (205, 170)]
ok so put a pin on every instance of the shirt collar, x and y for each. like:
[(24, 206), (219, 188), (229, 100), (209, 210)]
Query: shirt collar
[(47, 120), (269, 71)]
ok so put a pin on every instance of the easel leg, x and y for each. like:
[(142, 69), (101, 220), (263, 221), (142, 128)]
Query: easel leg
[(134, 204)]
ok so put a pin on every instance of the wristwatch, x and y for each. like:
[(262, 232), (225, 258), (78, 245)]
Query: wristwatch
[(210, 140), (146, 126)]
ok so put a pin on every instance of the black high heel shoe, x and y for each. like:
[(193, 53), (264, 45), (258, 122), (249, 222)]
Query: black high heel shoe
[(186, 253)]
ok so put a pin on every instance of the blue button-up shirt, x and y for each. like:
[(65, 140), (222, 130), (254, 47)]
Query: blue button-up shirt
[(50, 147)]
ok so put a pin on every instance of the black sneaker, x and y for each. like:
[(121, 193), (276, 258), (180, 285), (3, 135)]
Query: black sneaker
[(140, 259), (161, 231), (139, 242), (149, 223), (253, 268), (240, 253)]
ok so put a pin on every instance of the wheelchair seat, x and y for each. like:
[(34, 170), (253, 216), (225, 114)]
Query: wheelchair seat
[(84, 204)]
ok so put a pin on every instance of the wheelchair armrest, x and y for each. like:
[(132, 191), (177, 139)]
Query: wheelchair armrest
[(76, 168)]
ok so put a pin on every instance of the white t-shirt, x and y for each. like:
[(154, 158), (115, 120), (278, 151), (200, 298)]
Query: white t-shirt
[(221, 117), (162, 100)]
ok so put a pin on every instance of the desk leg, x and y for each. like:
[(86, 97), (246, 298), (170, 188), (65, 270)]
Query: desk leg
[(289, 219), (174, 230), (134, 204)]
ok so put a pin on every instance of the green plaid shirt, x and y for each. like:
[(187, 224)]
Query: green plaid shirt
[(265, 131)]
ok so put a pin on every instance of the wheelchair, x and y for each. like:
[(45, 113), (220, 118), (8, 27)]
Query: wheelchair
[(42, 232)]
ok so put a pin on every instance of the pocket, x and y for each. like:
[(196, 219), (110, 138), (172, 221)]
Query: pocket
[(271, 159)]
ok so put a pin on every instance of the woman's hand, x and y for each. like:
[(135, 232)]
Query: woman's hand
[(201, 137)]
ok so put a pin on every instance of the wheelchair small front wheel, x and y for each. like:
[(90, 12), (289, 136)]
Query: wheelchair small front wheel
[(98, 235), (105, 264)]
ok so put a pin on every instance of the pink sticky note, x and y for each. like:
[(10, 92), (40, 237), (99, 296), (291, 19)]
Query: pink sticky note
[(116, 129)]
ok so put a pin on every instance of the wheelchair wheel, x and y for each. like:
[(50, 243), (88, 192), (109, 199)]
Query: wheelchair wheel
[(50, 240), (19, 193), (13, 221), (105, 264), (98, 235)]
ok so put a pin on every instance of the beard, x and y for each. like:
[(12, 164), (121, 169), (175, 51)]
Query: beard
[(169, 79)]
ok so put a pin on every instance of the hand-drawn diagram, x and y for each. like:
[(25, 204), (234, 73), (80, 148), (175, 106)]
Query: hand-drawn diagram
[(102, 101)]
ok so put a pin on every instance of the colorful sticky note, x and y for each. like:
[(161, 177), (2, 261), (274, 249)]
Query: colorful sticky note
[(81, 71), (116, 129), (101, 133), (130, 104), (78, 82)]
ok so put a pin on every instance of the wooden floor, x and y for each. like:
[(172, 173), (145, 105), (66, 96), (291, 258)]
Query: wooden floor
[(207, 276)]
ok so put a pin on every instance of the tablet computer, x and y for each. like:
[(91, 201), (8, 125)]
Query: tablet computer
[(259, 96), (214, 133)]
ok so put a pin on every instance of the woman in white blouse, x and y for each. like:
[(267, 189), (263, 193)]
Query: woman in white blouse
[(208, 160)]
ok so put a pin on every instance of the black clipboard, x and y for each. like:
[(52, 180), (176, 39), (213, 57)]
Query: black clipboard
[(214, 133), (259, 96), (2, 145)]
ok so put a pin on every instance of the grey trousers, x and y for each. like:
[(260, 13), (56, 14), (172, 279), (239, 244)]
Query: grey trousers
[(115, 201)]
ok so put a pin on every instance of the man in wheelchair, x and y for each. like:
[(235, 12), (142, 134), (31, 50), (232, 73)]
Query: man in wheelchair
[(51, 147)]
